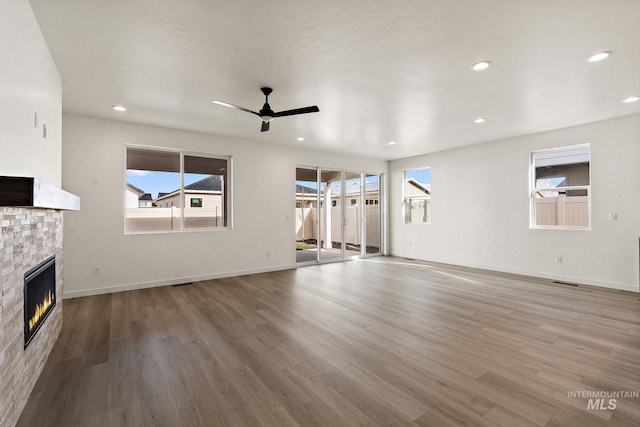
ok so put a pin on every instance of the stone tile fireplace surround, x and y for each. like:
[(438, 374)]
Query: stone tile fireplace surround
[(28, 236)]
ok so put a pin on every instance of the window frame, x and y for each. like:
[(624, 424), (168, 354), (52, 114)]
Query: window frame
[(533, 189), (406, 199), (226, 195)]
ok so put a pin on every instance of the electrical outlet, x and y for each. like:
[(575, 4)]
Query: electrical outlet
[(96, 271), (559, 260), (268, 254), (613, 216)]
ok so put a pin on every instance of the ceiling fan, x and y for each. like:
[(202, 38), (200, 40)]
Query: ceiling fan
[(267, 114)]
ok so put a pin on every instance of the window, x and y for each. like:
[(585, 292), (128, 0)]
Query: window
[(188, 191), (561, 188), (417, 196), (353, 202)]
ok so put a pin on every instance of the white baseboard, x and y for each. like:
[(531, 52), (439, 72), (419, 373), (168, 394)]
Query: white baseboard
[(182, 280), (175, 281), (569, 279)]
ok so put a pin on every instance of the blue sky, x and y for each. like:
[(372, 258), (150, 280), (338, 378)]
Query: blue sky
[(549, 182), (423, 176), (163, 182)]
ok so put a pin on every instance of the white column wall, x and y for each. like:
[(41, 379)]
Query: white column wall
[(29, 84)]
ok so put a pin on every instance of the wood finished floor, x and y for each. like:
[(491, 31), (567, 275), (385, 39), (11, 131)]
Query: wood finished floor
[(383, 341)]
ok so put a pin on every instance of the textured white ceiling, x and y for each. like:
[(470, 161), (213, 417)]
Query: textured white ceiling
[(380, 71)]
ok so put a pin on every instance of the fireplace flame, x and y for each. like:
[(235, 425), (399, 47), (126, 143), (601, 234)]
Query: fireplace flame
[(41, 309)]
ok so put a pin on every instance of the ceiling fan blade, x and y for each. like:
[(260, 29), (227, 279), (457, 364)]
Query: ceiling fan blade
[(264, 127), (304, 110), (226, 104)]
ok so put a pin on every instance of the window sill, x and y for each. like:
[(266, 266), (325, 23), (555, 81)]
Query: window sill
[(189, 230), (559, 227)]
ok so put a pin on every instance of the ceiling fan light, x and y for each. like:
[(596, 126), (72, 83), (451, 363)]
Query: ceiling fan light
[(266, 118)]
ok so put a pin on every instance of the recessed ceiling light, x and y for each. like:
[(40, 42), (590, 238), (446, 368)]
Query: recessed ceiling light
[(300, 138), (119, 108), (631, 99), (392, 143), (599, 56), (479, 66), (480, 120)]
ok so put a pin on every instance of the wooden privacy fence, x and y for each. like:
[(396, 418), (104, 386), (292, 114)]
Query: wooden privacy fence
[(306, 219), (562, 210), (306, 224), (140, 220)]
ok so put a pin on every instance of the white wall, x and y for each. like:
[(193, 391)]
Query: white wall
[(263, 209), (29, 84), (467, 181)]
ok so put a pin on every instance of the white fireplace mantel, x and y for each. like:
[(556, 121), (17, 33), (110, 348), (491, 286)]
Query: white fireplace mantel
[(18, 191)]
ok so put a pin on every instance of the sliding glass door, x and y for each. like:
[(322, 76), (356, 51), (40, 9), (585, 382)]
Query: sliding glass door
[(306, 218), (338, 214), (352, 204), (372, 214), (331, 222)]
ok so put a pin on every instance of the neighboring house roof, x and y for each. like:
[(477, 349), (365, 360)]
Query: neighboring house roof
[(424, 188), (135, 189), (145, 197), (210, 183), (301, 189)]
